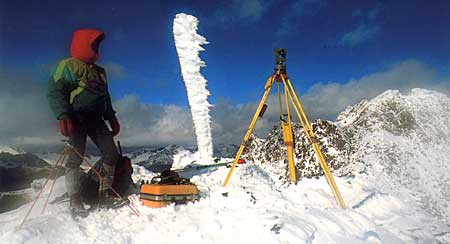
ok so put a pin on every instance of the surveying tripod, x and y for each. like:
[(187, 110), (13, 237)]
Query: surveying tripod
[(290, 97)]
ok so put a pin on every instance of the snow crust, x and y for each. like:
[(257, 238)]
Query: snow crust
[(188, 45), (250, 210)]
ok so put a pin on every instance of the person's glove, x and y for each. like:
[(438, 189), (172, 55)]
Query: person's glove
[(115, 126), (66, 127)]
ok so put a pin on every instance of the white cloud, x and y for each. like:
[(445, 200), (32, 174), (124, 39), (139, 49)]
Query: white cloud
[(239, 10), (373, 13), (150, 124), (359, 35), (114, 70), (26, 119), (24, 112), (328, 99), (367, 29), (297, 9), (252, 9), (169, 124)]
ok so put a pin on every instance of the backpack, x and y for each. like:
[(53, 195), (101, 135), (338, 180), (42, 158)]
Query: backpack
[(123, 183)]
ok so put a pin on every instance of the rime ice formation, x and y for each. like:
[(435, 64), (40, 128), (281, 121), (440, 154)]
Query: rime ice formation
[(188, 44)]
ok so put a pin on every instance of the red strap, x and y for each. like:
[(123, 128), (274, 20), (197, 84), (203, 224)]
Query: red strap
[(63, 127)]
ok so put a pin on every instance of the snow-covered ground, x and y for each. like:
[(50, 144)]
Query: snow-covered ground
[(251, 209)]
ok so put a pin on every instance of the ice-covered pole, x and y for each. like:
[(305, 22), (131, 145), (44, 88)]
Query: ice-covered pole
[(188, 44)]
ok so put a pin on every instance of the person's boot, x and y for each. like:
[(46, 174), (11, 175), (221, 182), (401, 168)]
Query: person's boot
[(108, 199), (76, 207)]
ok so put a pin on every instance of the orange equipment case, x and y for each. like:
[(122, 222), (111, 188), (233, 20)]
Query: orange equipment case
[(157, 196)]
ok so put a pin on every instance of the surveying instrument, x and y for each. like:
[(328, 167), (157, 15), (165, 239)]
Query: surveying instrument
[(280, 77)]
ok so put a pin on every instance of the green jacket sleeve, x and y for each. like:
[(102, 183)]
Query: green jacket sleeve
[(60, 84)]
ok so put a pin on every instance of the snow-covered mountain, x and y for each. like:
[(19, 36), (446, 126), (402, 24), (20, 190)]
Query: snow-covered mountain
[(402, 139), (6, 149), (156, 159), (17, 171), (406, 139), (391, 153)]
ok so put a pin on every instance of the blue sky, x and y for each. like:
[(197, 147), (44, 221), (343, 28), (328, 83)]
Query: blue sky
[(328, 42)]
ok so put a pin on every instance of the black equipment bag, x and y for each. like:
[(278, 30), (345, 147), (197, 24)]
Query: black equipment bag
[(123, 183)]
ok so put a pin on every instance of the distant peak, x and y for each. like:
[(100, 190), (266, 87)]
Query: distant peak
[(6, 149), (401, 113)]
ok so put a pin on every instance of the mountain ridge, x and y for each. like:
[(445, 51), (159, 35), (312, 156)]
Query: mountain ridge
[(402, 138)]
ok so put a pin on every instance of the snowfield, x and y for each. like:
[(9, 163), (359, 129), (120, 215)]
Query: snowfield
[(252, 209)]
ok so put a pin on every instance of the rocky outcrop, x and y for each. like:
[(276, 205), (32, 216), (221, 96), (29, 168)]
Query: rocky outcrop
[(333, 142)]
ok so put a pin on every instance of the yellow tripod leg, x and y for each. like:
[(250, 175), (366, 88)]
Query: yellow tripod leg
[(267, 88), (288, 138), (329, 176), (289, 142), (310, 134)]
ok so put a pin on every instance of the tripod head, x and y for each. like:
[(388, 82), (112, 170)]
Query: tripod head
[(280, 58)]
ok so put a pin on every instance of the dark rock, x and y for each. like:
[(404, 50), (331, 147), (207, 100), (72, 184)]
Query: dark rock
[(225, 150), (18, 171), (9, 202), (158, 159), (271, 152), (161, 158)]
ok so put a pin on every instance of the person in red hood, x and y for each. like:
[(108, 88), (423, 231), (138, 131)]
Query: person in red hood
[(78, 96)]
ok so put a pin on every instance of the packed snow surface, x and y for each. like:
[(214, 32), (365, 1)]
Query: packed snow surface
[(188, 44), (251, 209)]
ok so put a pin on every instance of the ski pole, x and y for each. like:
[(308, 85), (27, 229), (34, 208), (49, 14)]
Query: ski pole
[(240, 161), (60, 163), (40, 192)]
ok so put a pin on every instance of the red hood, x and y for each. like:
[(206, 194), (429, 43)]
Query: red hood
[(81, 47)]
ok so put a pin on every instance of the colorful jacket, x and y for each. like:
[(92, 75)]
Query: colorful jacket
[(78, 84)]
